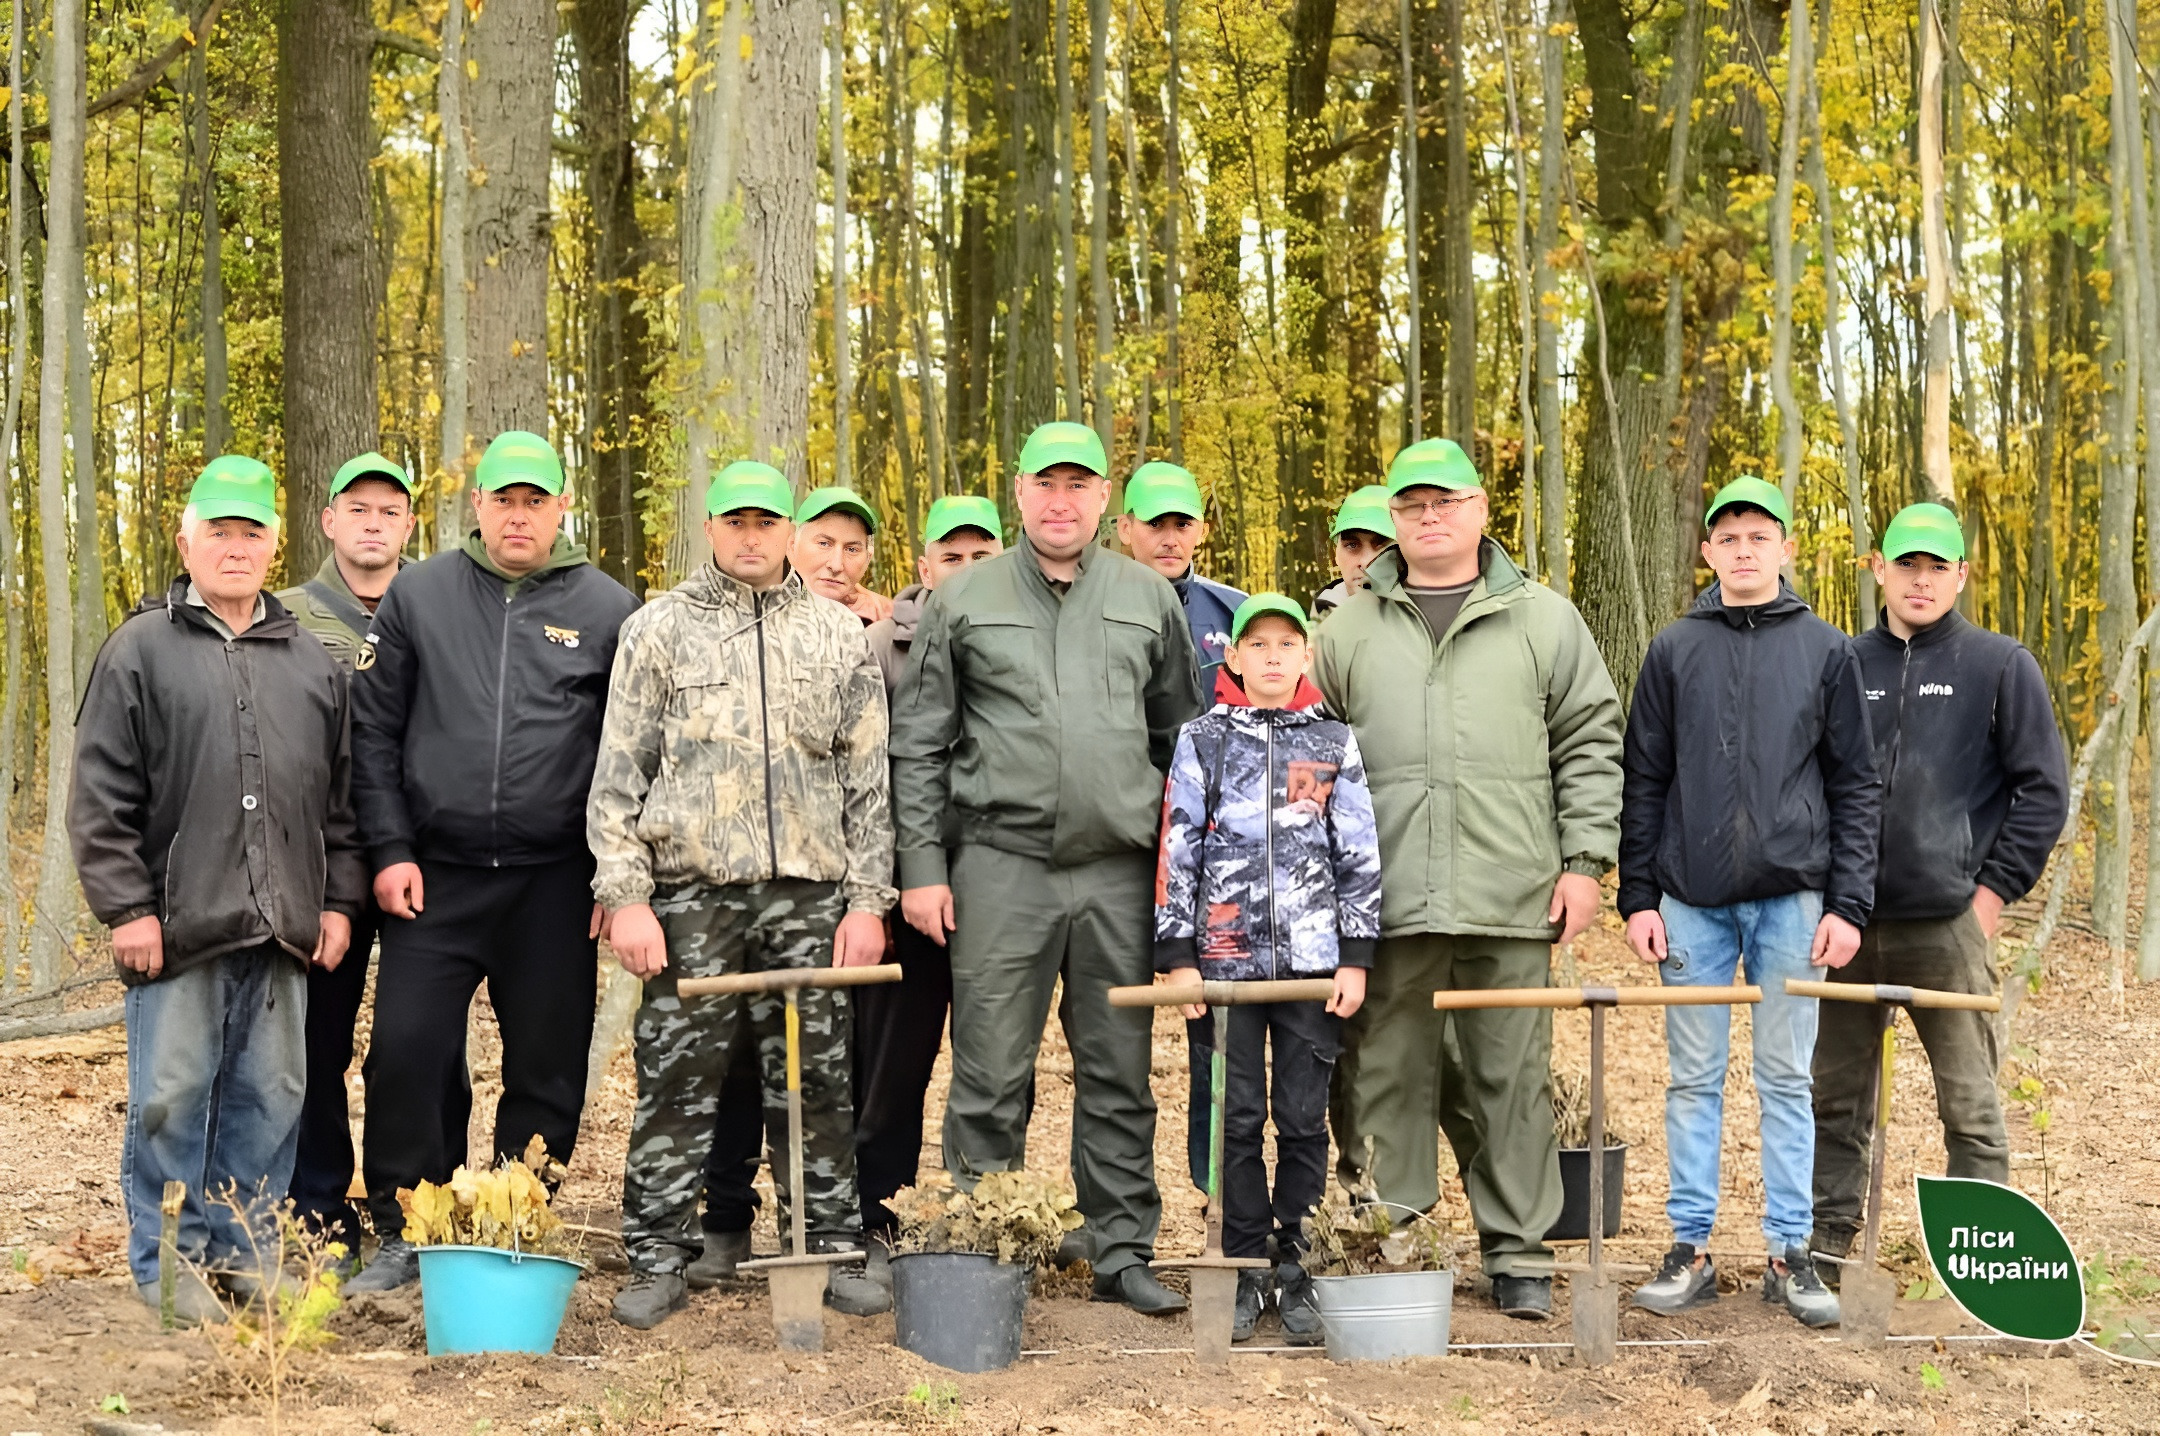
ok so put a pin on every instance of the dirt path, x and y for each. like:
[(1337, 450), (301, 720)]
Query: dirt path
[(72, 1333)]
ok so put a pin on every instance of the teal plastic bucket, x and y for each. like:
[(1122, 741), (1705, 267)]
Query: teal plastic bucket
[(480, 1299)]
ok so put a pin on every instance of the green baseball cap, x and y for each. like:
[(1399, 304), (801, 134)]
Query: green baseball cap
[(1925, 528), (1438, 463), (1366, 509), (1262, 604), (1157, 488), (748, 484), (370, 465), (516, 457), (824, 501), (1063, 443), (234, 486), (962, 511), (1747, 489)]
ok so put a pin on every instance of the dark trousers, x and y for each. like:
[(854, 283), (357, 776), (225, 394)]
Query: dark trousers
[(522, 930), (899, 1028), (738, 1146), (1950, 955), (1293, 1087), (323, 1166)]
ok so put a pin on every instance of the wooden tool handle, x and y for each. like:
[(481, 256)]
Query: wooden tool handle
[(1224, 994), (1456, 1000), (1892, 993), (784, 978)]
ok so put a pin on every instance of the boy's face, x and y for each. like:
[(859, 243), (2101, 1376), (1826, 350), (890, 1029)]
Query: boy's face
[(1919, 588), (1746, 548), (1354, 549), (1165, 543), (1269, 658), (942, 558)]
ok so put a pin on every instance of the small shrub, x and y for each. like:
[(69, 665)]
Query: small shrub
[(505, 1208), (1017, 1217), (1360, 1238)]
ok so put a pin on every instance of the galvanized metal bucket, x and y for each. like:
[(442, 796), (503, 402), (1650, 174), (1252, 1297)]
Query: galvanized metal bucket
[(1385, 1315)]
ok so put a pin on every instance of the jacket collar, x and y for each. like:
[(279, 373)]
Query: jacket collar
[(1031, 563), (333, 577), (907, 607), (708, 587), (1498, 576), (276, 621), (564, 554), (1709, 604), (1940, 631), (1231, 693)]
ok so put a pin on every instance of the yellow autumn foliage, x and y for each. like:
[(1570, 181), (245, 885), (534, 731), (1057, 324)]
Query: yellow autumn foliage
[(506, 1207)]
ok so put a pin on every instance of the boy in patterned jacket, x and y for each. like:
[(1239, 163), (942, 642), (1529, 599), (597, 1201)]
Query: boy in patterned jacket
[(1269, 868)]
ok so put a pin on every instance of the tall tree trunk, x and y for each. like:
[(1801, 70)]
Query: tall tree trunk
[(1302, 553), (1935, 250), (1068, 245), (326, 139), (89, 588), (1552, 156), (1031, 260), (1792, 436), (1462, 358), (217, 407), (454, 442), (1818, 178), (1413, 233), (1099, 216), (1136, 223), (750, 206), (18, 360), (618, 342), (1364, 278), (1525, 304), (52, 942), (509, 112), (1173, 253), (843, 337)]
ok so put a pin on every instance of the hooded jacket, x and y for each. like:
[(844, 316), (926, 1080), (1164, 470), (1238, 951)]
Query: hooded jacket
[(891, 635), (1209, 607), (1269, 865), (744, 741), (1750, 771), (1493, 753), (1045, 719), (476, 709), (210, 784), (1975, 786)]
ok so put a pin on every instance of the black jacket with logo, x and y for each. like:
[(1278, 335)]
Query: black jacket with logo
[(1749, 770), (477, 706), (211, 783), (1975, 784)]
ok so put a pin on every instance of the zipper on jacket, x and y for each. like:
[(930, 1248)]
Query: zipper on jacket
[(772, 841), (1267, 829), (1897, 733), (502, 682)]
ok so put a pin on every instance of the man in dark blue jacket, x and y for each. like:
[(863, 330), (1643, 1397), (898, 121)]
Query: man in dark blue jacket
[(1974, 796), (1164, 524), (477, 701), (1747, 841)]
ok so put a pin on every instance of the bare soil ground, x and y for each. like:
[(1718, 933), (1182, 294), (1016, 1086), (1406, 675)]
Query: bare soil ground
[(73, 1335)]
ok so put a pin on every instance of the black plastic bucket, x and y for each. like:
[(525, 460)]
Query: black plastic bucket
[(961, 1310), (1574, 1223)]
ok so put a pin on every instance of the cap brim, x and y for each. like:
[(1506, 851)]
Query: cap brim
[(1147, 511), (386, 475), (238, 509), (546, 484), (1046, 461), (842, 506), (939, 535)]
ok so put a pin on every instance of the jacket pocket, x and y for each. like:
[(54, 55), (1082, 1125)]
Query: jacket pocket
[(1507, 852), (1132, 643), (813, 716), (997, 658)]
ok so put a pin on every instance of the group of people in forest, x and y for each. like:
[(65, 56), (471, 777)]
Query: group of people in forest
[(1050, 763)]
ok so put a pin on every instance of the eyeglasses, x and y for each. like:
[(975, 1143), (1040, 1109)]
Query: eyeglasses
[(1446, 506)]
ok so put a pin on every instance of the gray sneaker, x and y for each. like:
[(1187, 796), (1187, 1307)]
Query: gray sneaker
[(1686, 1278), (1792, 1281), (396, 1264), (1295, 1304), (651, 1298), (194, 1303), (724, 1251), (1251, 1296)]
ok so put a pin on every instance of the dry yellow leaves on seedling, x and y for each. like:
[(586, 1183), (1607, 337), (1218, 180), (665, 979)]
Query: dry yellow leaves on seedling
[(506, 1207), (1017, 1217)]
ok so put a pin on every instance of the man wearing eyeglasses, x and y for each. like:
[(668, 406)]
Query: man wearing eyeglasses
[(1497, 792)]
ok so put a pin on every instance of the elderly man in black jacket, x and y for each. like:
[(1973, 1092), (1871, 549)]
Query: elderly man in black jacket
[(213, 832), (477, 700), (1975, 791)]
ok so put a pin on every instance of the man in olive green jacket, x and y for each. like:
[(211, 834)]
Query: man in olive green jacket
[(1497, 793), (1044, 692)]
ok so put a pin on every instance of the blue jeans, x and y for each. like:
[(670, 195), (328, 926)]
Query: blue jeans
[(1769, 938), (217, 1070)]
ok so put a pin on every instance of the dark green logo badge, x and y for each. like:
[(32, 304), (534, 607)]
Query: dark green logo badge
[(2003, 1259)]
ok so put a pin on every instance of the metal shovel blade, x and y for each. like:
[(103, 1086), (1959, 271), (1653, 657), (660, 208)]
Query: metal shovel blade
[(798, 1306), (1214, 1310), (1596, 1304), (1865, 1297)]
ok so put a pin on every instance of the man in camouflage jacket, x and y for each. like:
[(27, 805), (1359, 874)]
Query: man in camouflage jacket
[(740, 821)]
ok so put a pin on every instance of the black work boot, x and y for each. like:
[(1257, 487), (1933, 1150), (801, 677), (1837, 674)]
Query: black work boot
[(1295, 1303), (396, 1264), (1526, 1298), (724, 1251), (651, 1298), (1137, 1287), (1251, 1296)]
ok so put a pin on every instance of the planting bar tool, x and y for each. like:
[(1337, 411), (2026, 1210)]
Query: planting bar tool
[(1866, 1293), (1214, 1276), (797, 1280), (1592, 1296)]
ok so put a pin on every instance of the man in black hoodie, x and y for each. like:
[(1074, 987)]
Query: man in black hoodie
[(477, 700), (1974, 797), (1747, 841)]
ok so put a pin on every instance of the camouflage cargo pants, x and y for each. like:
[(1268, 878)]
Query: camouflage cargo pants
[(685, 1046)]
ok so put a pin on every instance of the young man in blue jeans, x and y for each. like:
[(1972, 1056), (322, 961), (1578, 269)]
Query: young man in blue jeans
[(1748, 832)]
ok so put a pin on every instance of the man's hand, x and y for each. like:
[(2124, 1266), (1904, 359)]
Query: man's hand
[(1574, 902), (929, 911), (1176, 976), (1987, 907), (1836, 940), (1349, 991), (639, 942), (140, 945), (860, 940), (1646, 934), (397, 890), (332, 938)]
